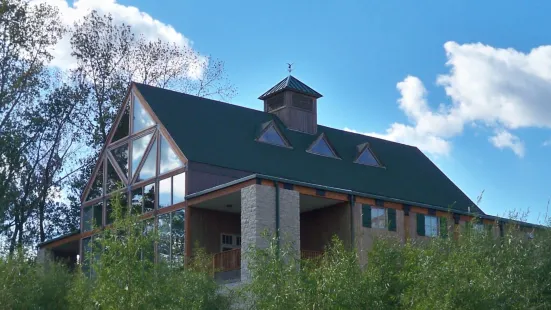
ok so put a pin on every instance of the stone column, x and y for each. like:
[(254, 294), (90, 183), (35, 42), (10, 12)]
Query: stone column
[(258, 215), (289, 221)]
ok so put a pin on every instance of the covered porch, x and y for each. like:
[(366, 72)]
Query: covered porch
[(225, 221)]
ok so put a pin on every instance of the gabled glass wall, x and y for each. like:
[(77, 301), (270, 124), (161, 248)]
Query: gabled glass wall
[(142, 165)]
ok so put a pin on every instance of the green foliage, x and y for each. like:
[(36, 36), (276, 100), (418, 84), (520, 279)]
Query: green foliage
[(26, 284), (125, 276), (477, 271)]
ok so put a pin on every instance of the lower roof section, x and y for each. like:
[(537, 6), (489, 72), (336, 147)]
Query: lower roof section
[(334, 193)]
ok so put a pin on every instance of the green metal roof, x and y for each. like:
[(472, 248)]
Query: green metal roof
[(222, 134), (290, 83)]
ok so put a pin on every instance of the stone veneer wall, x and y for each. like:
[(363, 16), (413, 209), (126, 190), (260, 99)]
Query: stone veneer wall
[(258, 215)]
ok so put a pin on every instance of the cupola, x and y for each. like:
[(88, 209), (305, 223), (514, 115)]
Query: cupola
[(295, 103)]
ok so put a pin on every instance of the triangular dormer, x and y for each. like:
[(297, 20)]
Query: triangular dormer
[(272, 135), (366, 156), (321, 146), (295, 103)]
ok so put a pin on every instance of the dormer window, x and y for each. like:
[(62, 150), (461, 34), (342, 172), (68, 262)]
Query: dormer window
[(366, 157), (271, 135), (322, 147)]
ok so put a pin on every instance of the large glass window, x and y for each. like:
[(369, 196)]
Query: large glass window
[(113, 180), (163, 246), (378, 218), (141, 118), (137, 201), (321, 147), (86, 255), (165, 193), (121, 157), (123, 125), (169, 160), (149, 252), (149, 198), (149, 168), (138, 149), (92, 217), (178, 236), (96, 189), (179, 188), (431, 226), (109, 211)]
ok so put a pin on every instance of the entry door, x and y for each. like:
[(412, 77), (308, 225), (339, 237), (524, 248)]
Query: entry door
[(229, 242)]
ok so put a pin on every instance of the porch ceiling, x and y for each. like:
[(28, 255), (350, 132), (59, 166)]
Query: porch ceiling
[(232, 203)]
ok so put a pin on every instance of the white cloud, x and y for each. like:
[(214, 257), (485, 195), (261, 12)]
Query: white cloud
[(487, 86), (141, 22), (504, 139)]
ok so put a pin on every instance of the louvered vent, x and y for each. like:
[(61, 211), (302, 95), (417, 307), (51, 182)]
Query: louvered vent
[(303, 102), (275, 102)]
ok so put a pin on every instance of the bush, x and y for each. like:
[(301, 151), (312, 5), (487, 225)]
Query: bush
[(477, 271), (123, 274), (26, 284)]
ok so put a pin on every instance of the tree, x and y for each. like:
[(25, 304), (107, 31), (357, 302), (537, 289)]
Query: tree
[(27, 33), (109, 56)]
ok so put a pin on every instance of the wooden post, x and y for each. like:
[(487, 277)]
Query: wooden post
[(187, 231), (406, 222), (456, 227)]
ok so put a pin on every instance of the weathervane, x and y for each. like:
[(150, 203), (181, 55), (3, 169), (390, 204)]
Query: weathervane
[(290, 67)]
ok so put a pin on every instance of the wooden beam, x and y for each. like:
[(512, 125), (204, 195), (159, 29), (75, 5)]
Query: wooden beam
[(365, 201), (219, 193), (392, 205)]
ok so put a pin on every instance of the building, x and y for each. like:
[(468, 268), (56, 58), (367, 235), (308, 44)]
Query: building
[(219, 174)]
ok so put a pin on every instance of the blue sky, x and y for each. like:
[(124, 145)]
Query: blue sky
[(468, 82)]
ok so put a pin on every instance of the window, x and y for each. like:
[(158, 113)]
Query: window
[(478, 227), (229, 242), (366, 157), (92, 217), (179, 188), (272, 136), (123, 126), (138, 149), (169, 160), (381, 218), (149, 198), (378, 218), (96, 189), (149, 168), (163, 245), (141, 119), (322, 147), (431, 226), (178, 236), (165, 193), (121, 157), (113, 180), (137, 201)]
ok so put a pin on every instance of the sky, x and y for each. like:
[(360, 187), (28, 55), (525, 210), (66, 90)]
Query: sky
[(468, 82)]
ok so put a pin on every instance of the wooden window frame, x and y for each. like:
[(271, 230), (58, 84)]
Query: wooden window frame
[(331, 148)]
